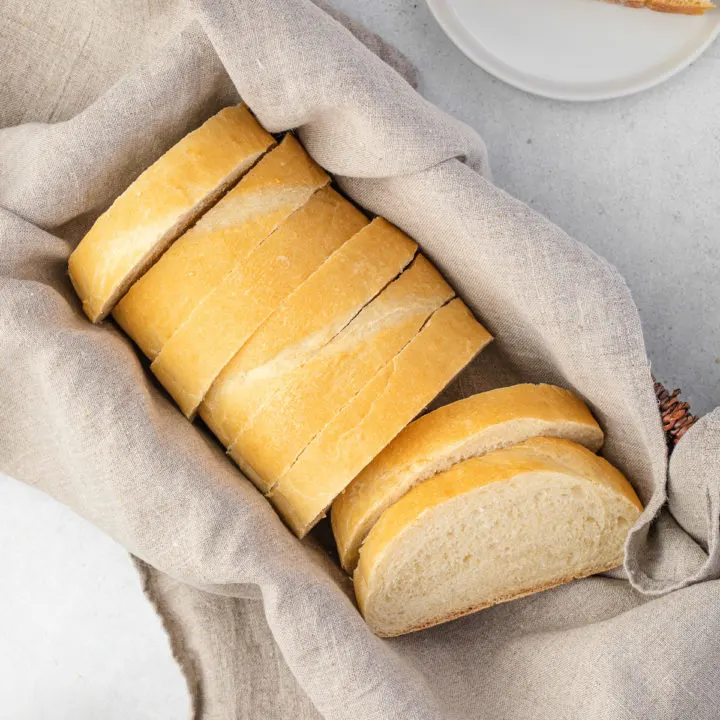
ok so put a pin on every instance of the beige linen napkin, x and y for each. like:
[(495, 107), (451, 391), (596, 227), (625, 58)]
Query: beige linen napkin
[(264, 626)]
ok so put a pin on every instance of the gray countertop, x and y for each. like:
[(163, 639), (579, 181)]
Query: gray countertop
[(636, 179)]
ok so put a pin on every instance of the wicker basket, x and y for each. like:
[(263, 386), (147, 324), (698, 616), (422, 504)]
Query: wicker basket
[(676, 416)]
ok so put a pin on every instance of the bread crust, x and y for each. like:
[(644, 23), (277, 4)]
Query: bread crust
[(164, 298), (498, 418), (539, 455), (397, 393), (198, 351), (305, 400), (307, 320), (161, 204), (677, 7)]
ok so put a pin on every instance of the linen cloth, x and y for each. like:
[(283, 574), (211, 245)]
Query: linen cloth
[(263, 625)]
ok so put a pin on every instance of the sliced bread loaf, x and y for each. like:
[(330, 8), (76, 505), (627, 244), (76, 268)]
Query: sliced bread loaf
[(221, 324), (296, 405), (305, 322), (467, 428), (492, 529), (396, 394), (163, 299), (161, 204)]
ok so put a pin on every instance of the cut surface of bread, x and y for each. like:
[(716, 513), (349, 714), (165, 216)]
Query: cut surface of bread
[(160, 301), (298, 404), (160, 204), (467, 428), (405, 385), (305, 322), (684, 7), (221, 324), (492, 529)]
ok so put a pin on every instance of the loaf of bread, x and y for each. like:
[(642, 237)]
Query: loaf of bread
[(406, 384), (295, 405), (684, 7), (307, 338), (492, 529), (201, 347), (467, 428), (305, 322), (160, 205), (163, 299)]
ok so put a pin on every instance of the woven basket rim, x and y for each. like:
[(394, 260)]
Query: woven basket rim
[(675, 413)]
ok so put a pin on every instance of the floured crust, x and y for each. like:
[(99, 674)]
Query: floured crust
[(160, 204), (667, 6)]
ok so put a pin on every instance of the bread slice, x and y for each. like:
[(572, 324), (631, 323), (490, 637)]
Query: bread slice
[(298, 404), (221, 324), (306, 321), (418, 373), (158, 304), (458, 431), (160, 205), (492, 529), (684, 7)]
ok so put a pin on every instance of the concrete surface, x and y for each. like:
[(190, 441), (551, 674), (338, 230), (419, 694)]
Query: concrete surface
[(78, 640), (636, 179)]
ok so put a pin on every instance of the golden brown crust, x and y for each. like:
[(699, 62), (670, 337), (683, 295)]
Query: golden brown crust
[(439, 435), (307, 320), (167, 294), (307, 398), (220, 325), (539, 455), (402, 388), (160, 204), (667, 6)]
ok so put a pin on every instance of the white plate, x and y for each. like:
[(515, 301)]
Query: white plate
[(575, 49)]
